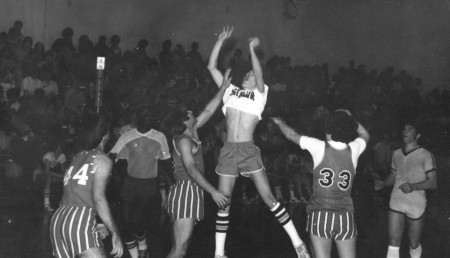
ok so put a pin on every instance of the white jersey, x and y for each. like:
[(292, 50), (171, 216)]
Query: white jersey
[(412, 168), (248, 101)]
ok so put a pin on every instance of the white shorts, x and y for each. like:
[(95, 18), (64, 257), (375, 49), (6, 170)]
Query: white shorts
[(412, 210)]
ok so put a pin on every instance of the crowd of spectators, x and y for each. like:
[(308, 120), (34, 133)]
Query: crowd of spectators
[(45, 92)]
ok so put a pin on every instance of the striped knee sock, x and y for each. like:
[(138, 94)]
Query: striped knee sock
[(222, 222), (285, 220), (142, 241), (132, 248)]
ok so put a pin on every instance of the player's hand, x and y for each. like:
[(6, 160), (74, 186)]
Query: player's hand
[(406, 188), (101, 229), (276, 120), (254, 42), (221, 199), (226, 33), (226, 79), (117, 247)]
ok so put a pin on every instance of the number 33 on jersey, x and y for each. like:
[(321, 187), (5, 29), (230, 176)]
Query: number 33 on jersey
[(329, 177)]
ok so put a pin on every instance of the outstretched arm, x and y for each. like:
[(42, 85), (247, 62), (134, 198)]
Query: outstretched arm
[(103, 166), (212, 64), (256, 65), (287, 130), (184, 145), (214, 103)]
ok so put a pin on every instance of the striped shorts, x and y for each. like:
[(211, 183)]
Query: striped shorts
[(72, 231), (185, 201), (328, 224)]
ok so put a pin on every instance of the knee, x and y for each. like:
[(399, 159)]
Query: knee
[(269, 199)]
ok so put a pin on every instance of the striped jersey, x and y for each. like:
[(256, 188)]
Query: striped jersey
[(180, 172), (78, 180), (333, 181), (411, 167), (142, 151)]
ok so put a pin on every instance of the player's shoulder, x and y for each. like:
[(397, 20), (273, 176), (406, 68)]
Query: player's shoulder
[(101, 158), (157, 135)]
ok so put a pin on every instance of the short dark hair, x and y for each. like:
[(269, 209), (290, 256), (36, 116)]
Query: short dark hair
[(341, 126), (92, 129), (174, 122)]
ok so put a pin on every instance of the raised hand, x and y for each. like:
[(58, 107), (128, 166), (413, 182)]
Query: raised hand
[(226, 79), (253, 42), (226, 33)]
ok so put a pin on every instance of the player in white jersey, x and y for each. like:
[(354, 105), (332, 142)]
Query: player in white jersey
[(239, 155), (413, 172)]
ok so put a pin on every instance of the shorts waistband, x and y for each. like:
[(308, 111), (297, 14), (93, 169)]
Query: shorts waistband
[(239, 144)]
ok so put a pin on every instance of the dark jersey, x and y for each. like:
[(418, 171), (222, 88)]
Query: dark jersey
[(332, 181), (180, 172), (79, 179)]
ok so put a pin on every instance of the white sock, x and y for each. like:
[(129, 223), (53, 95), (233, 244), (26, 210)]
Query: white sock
[(393, 252), (415, 253), (283, 217), (222, 222)]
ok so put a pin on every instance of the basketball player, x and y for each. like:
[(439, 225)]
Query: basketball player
[(72, 229), (185, 201), (239, 155), (141, 147), (413, 171), (330, 208)]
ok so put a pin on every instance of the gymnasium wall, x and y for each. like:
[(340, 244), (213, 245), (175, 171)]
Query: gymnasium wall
[(406, 34)]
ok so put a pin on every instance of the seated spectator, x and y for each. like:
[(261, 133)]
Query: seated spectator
[(48, 85), (31, 82)]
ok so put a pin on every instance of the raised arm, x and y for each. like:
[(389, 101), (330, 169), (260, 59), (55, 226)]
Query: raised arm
[(215, 102), (256, 65), (212, 64), (184, 145), (287, 130), (361, 131), (102, 166)]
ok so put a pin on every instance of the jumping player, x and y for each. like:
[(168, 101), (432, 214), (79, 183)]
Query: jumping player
[(413, 171), (185, 203), (239, 155), (330, 208), (72, 228)]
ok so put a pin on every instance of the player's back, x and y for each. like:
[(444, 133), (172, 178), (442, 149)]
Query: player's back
[(78, 180)]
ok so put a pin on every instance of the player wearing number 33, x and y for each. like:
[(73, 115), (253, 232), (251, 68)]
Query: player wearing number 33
[(72, 228), (330, 209)]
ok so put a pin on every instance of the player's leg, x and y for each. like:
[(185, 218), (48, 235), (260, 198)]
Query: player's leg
[(95, 252), (279, 211), (182, 233), (321, 246), (396, 226), (226, 185), (415, 227), (129, 201), (346, 248)]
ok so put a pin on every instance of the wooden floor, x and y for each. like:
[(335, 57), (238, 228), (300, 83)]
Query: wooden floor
[(24, 227)]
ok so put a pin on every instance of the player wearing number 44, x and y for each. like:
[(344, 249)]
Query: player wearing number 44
[(73, 227), (330, 209)]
